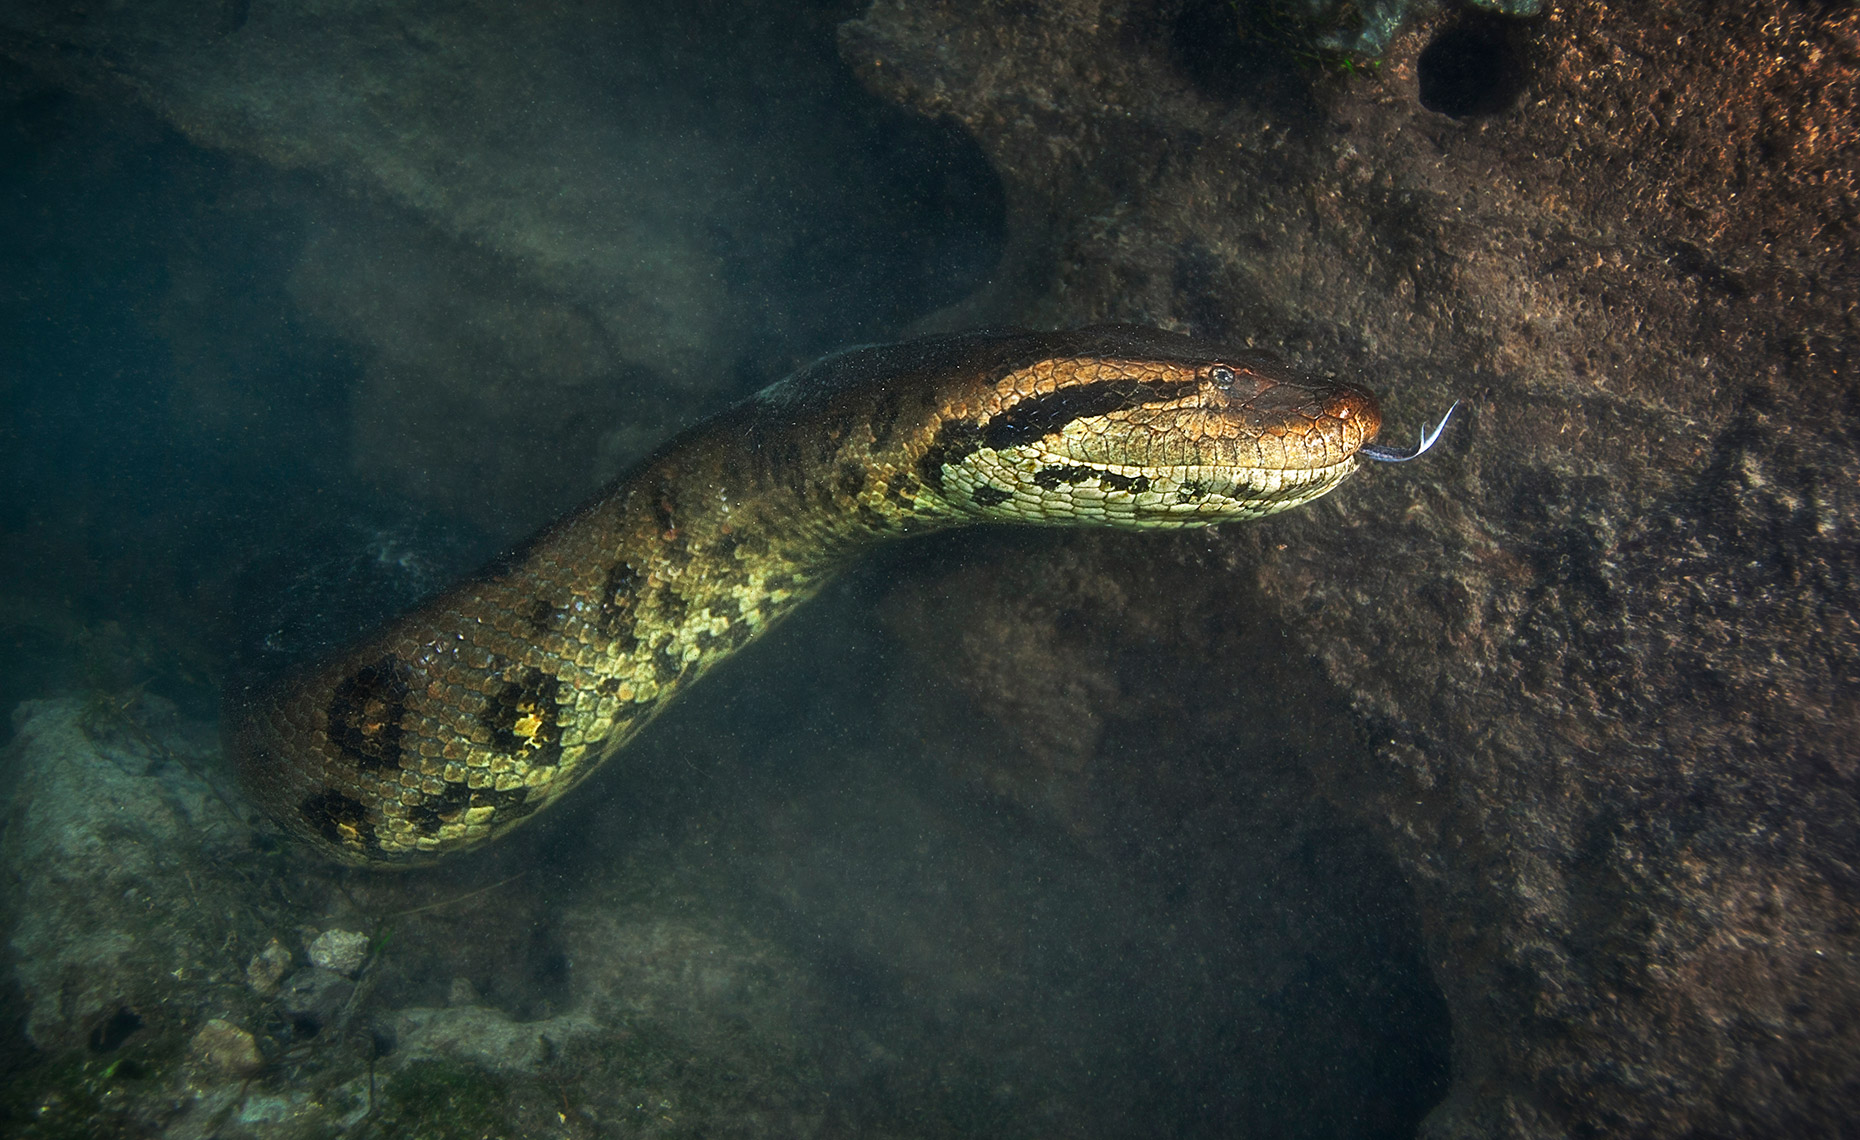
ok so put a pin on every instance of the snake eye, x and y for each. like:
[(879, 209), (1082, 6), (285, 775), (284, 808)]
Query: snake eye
[(1222, 376)]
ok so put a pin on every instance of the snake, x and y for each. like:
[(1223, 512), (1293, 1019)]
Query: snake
[(457, 721)]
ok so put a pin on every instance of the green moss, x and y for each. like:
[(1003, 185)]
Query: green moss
[(443, 1100)]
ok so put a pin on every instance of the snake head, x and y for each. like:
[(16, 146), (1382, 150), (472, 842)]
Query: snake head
[(1144, 443)]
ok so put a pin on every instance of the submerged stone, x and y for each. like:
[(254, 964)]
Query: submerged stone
[(342, 951), (224, 1048), (267, 968), (119, 893)]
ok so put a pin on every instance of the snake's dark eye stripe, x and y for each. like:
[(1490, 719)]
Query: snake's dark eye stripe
[(1039, 416), (955, 440)]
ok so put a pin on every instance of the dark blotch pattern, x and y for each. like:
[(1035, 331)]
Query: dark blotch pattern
[(511, 805), (667, 663), (833, 432), (1047, 478), (365, 714), (885, 418), (617, 595), (776, 461), (339, 819), (1039, 416), (954, 440), (664, 507), (673, 607), (524, 716), (987, 495), (443, 808)]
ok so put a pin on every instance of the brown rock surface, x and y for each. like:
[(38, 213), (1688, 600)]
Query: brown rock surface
[(1606, 645)]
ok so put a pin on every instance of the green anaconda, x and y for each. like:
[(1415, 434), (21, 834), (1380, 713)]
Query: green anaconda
[(453, 723)]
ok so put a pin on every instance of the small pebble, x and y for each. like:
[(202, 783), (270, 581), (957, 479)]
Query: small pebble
[(225, 1048), (342, 951), (462, 993), (267, 967)]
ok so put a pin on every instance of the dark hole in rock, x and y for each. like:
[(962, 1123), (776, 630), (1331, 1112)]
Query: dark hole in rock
[(1250, 52), (305, 1026), (110, 1035), (1475, 66)]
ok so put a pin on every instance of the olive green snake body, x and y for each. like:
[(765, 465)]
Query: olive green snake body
[(455, 722)]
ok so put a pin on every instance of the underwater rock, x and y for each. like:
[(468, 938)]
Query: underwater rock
[(342, 951), (670, 1024), (118, 893), (267, 968), (507, 157), (224, 1048), (496, 228), (487, 1038), (462, 992), (314, 998), (1604, 647), (153, 991), (548, 239)]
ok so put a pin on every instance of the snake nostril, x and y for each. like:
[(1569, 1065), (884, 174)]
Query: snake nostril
[(1358, 408)]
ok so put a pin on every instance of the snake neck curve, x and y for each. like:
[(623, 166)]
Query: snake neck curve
[(457, 721)]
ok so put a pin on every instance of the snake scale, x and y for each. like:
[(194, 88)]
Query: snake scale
[(455, 722)]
